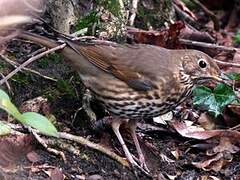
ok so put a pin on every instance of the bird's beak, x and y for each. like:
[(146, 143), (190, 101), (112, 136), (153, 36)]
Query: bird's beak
[(223, 79)]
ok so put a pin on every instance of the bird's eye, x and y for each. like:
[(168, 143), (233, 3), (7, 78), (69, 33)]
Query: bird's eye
[(202, 63)]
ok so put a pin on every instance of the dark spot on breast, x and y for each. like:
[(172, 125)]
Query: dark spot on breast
[(160, 105), (140, 103), (149, 97), (148, 104), (156, 95)]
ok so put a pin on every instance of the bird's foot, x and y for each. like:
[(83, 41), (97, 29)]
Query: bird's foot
[(143, 163), (142, 167)]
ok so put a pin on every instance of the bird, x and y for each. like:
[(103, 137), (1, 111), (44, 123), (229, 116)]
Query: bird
[(134, 81)]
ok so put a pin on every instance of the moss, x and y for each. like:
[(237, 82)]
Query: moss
[(87, 22), (2, 67), (65, 88), (155, 15), (51, 59), (22, 78)]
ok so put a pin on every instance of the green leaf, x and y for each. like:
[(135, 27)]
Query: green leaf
[(237, 38), (8, 106), (3, 95), (4, 129), (40, 123), (213, 101), (87, 21), (234, 76)]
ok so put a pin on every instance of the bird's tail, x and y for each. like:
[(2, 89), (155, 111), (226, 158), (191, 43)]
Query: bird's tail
[(38, 39)]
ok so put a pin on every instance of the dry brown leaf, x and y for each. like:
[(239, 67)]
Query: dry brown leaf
[(206, 121), (33, 157), (215, 163), (167, 38), (225, 145), (201, 134), (56, 174), (12, 149)]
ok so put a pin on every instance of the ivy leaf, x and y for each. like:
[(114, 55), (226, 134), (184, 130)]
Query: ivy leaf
[(234, 76), (39, 122), (213, 101), (4, 129)]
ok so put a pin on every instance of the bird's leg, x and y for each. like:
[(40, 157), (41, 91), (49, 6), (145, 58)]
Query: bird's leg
[(132, 126), (115, 126)]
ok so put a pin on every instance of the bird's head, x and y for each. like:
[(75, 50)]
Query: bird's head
[(200, 67)]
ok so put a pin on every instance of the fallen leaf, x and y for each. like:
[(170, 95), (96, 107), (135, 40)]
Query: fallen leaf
[(33, 157), (215, 163), (56, 174), (206, 121), (167, 38), (12, 149)]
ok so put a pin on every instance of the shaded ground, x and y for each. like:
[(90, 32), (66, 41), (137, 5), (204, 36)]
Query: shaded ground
[(93, 164)]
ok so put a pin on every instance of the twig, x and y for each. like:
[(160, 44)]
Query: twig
[(184, 16), (92, 145), (227, 63), (78, 139), (15, 64), (63, 145), (133, 11), (44, 144), (37, 52), (213, 46), (210, 14), (7, 84), (207, 45), (19, 68)]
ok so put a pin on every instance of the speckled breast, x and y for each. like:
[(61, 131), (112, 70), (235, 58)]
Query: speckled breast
[(134, 104)]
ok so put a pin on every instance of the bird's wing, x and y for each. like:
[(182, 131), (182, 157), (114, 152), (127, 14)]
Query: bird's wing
[(135, 65)]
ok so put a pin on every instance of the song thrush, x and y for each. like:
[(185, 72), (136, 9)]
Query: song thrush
[(135, 81)]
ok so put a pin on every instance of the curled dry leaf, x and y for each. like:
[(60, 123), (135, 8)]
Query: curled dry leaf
[(221, 154), (225, 145), (12, 149), (206, 121), (215, 163), (201, 134), (167, 38)]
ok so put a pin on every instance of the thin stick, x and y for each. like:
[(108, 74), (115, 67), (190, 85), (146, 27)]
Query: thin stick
[(15, 64), (207, 45), (44, 144), (92, 145), (210, 14), (133, 11), (227, 63), (19, 68)]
